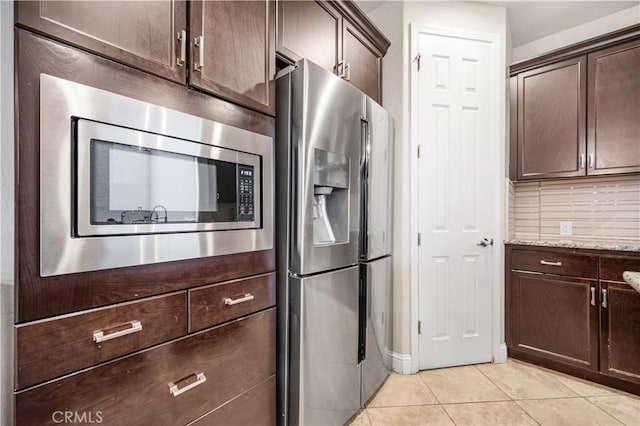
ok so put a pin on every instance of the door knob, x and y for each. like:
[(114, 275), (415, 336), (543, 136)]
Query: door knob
[(485, 242)]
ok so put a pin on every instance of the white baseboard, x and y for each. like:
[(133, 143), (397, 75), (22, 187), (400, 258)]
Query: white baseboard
[(401, 363), (500, 356)]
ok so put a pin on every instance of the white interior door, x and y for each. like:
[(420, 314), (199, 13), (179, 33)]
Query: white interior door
[(458, 196)]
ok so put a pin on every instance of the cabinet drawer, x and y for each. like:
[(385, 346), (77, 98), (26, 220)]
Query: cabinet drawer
[(50, 348), (175, 383), (577, 265), (612, 268), (256, 407), (222, 302)]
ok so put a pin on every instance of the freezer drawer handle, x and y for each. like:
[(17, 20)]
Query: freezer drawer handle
[(175, 391), (247, 297), (546, 262), (99, 336)]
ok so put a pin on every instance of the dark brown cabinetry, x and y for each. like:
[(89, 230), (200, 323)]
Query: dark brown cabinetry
[(570, 310), (174, 383), (233, 51), (229, 49), (551, 116), (614, 110), (577, 110), (143, 35), (619, 319), (338, 37)]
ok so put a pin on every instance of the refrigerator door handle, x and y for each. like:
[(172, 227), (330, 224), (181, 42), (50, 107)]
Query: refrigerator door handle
[(362, 315), (365, 153)]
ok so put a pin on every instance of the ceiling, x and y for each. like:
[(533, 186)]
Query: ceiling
[(531, 20)]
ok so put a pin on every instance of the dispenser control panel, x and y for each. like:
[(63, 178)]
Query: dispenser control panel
[(246, 204)]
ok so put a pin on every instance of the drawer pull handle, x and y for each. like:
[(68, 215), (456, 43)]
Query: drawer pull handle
[(604, 298), (593, 296), (245, 298), (546, 262), (175, 391), (134, 327)]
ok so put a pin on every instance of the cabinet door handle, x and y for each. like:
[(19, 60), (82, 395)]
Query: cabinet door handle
[(593, 296), (245, 298), (592, 160), (133, 327), (175, 391), (182, 38), (582, 161), (548, 263), (199, 43), (340, 69), (604, 297), (347, 69)]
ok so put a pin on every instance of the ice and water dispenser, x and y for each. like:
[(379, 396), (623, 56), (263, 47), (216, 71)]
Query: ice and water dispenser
[(330, 198)]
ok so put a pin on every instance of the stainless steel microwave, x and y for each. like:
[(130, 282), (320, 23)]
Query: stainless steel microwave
[(124, 183)]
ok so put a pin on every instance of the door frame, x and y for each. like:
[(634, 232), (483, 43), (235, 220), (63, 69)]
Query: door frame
[(498, 133)]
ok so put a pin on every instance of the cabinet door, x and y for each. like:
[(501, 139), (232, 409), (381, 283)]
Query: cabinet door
[(614, 110), (620, 331), (143, 35), (312, 30), (555, 317), (362, 62), (551, 120), (233, 51)]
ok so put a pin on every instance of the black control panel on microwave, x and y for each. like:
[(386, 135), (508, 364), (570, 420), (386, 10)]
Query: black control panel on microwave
[(246, 205)]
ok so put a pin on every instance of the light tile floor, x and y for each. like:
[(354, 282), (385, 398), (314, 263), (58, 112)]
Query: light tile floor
[(515, 393)]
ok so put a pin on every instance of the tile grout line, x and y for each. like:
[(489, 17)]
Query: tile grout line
[(494, 383), (604, 411), (436, 397)]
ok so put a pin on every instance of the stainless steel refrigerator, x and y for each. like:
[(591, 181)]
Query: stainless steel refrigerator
[(325, 331)]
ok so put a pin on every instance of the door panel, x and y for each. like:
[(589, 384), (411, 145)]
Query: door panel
[(378, 345), (326, 154), (620, 331), (312, 30), (614, 108), (363, 62), (139, 34), (378, 184), (551, 120), (237, 58), (457, 200), (545, 304), (324, 370)]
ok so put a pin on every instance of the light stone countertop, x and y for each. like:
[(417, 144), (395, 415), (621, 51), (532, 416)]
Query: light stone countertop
[(632, 278), (595, 245)]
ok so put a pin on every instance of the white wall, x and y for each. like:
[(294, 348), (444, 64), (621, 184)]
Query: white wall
[(6, 212), (394, 20), (606, 24)]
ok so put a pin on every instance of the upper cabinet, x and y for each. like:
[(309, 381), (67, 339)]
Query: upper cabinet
[(144, 35), (233, 51), (578, 111), (614, 110), (229, 50), (338, 37), (551, 117)]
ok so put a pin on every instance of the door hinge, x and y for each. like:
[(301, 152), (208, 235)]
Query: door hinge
[(419, 238), (417, 59), (419, 150), (419, 327)]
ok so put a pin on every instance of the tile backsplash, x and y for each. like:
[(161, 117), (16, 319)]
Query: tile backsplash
[(601, 209)]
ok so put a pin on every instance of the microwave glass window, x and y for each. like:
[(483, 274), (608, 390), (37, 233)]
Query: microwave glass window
[(136, 185)]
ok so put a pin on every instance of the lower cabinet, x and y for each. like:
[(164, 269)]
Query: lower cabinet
[(571, 310), (556, 317), (620, 331), (174, 383)]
